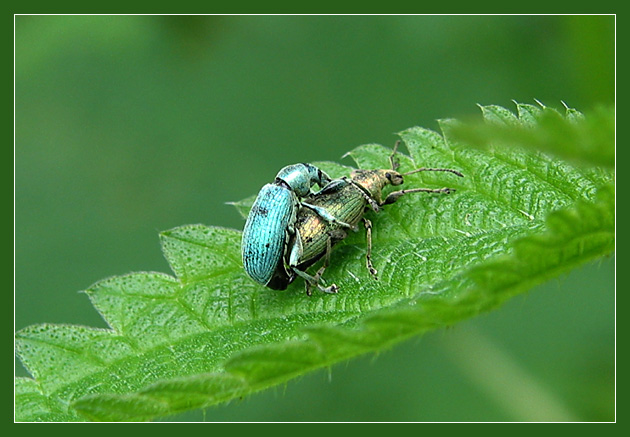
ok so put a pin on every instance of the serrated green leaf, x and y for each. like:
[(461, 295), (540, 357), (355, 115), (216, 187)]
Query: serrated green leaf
[(32, 405), (209, 334), (583, 140)]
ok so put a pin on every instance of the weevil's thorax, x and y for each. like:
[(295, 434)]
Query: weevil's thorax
[(301, 177), (373, 181)]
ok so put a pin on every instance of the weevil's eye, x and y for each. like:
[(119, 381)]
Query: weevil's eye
[(388, 176)]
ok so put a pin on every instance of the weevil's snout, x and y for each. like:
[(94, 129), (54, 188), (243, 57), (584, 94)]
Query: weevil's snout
[(393, 177)]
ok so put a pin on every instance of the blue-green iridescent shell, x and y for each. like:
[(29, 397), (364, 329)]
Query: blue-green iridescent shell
[(266, 232)]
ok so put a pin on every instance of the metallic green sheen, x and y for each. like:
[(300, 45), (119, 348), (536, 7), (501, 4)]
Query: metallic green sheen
[(345, 202)]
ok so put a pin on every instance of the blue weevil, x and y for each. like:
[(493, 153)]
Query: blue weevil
[(270, 222), (345, 199)]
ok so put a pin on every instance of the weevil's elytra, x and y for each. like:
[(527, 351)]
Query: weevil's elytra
[(338, 206), (261, 211), (266, 231)]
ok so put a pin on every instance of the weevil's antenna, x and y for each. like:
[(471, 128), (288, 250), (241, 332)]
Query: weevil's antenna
[(455, 172), (393, 163)]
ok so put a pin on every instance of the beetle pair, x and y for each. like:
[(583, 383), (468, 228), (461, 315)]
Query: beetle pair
[(289, 228)]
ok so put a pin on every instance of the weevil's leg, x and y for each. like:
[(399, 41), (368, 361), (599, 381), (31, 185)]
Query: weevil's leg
[(295, 206), (368, 255), (320, 272), (296, 251), (333, 186), (323, 213), (311, 281), (333, 235), (394, 196), (394, 163)]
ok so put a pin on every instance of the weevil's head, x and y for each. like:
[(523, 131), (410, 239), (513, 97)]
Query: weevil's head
[(392, 177), (301, 177), (373, 181), (378, 178)]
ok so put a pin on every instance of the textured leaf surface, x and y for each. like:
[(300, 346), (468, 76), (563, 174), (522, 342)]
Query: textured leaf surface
[(591, 138), (210, 334)]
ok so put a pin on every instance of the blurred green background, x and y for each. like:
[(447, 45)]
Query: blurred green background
[(128, 125)]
